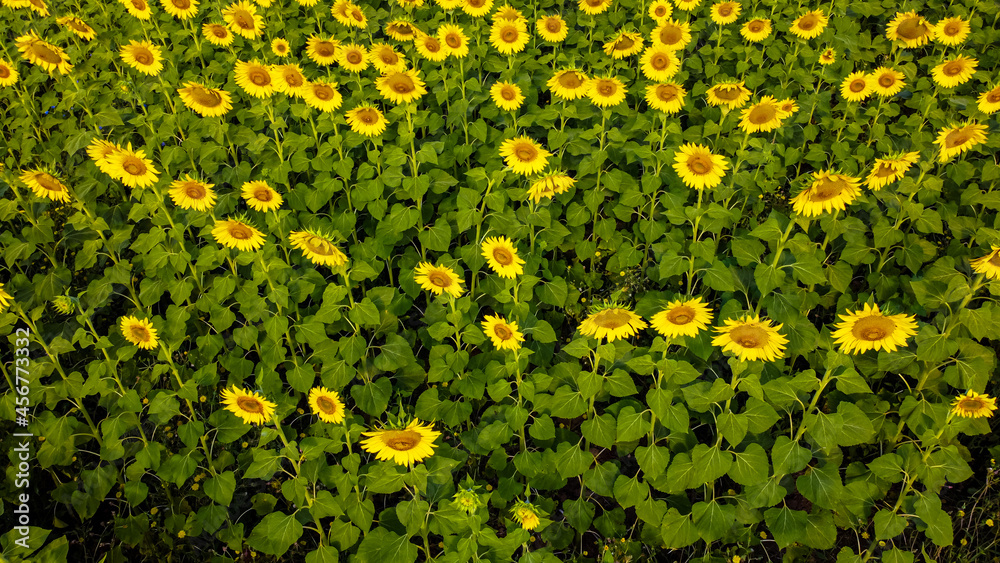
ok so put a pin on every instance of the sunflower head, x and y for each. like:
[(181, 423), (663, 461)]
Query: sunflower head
[(249, 406), (974, 405), (403, 445)]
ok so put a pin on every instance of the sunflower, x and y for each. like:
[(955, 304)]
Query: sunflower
[(430, 48), (255, 78), (42, 53), (289, 80), (568, 84), (552, 28), (989, 102), (409, 4), (45, 185), (888, 170), (606, 92), (870, 329), (449, 4), (509, 13), (349, 14), (323, 96), (504, 335), (827, 192), (951, 31), (682, 318), (509, 37), (724, 13), (506, 96), (660, 10), (988, 265), (455, 42), (659, 63), (401, 87), (248, 405), (190, 193), (667, 97), (974, 405), (208, 102), (687, 5), (526, 515), (956, 139), (524, 156), (438, 279), (909, 28), (502, 257), (139, 332), (857, 87), (477, 8), (809, 24), (955, 71), (672, 35), (133, 168), (8, 74), (366, 120), (698, 167), (353, 57), (100, 151), (788, 107), (401, 30), (261, 196), (385, 59), (143, 56), (138, 8), (217, 34), (765, 115), (828, 56), (756, 30), (77, 27), (280, 47), (613, 323), (625, 44), (238, 234), (243, 20), (322, 51), (550, 185), (730, 94), (751, 339), (318, 247), (404, 446), (5, 298), (180, 9), (39, 7), (594, 7), (326, 405)]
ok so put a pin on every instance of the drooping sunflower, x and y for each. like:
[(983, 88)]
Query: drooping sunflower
[(143, 56), (660, 10), (217, 34), (503, 334), (974, 405), (989, 101), (255, 78), (323, 96), (612, 323), (42, 53), (401, 87), (238, 234), (550, 185), (552, 28), (956, 139), (723, 13), (139, 332), (698, 167), (477, 8), (100, 152), (524, 156), (672, 34), (594, 7), (857, 86), (280, 47), (385, 59), (765, 115), (326, 404), (366, 120), (509, 37), (5, 298), (405, 446), (954, 71), (809, 24), (133, 168), (502, 257), (77, 27), (401, 30), (526, 515), (506, 96), (682, 317), (190, 193), (289, 80), (455, 42), (180, 9), (352, 57), (243, 20), (751, 339), (45, 185), (349, 14), (659, 63), (252, 408), (261, 196), (138, 8), (888, 170), (871, 329), (8, 74), (322, 51), (625, 44), (606, 92), (39, 7), (756, 30), (827, 192), (951, 31), (828, 56), (207, 102), (667, 97), (910, 28), (568, 84), (730, 94), (988, 265), (318, 247), (430, 48), (438, 279)]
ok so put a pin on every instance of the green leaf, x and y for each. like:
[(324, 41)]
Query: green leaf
[(857, 428), (323, 554), (677, 530), (750, 466), (710, 463), (632, 425), (733, 427), (821, 533), (939, 526), (411, 514), (373, 398), (600, 430), (221, 487), (888, 525), (652, 459), (579, 514), (788, 456), (381, 545), (787, 525), (821, 485), (275, 534), (712, 519), (630, 491)]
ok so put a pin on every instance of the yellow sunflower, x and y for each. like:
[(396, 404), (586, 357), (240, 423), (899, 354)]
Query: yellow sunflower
[(698, 167), (401, 87), (143, 56), (552, 28), (217, 34), (660, 10), (280, 47), (828, 56), (77, 27), (401, 30), (8, 74), (261, 196), (404, 446), (989, 102), (352, 57), (857, 87), (724, 13), (386, 59), (612, 323), (349, 14), (988, 265), (504, 335), (138, 8), (455, 42), (956, 139), (788, 107), (888, 170), (667, 97), (367, 121), (243, 20), (909, 28), (568, 84), (809, 24), (289, 80), (45, 185), (954, 71), (509, 13), (238, 234), (625, 44), (180, 9), (506, 96), (951, 31), (190, 193), (509, 37), (38, 6), (100, 151), (751, 339), (430, 48), (42, 53), (756, 30), (730, 94), (550, 185), (659, 63), (502, 257), (606, 92), (765, 115), (208, 102), (687, 5), (449, 4), (974, 405), (438, 279), (827, 192), (594, 7), (5, 298), (139, 332), (322, 51), (526, 515), (682, 318), (318, 247), (326, 405), (672, 35), (524, 156), (251, 407), (870, 329), (477, 8), (255, 78), (133, 168)]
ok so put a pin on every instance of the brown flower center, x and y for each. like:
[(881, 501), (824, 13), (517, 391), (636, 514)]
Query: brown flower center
[(134, 166), (594, 3), (623, 44), (432, 45), (293, 78), (756, 26), (357, 15), (262, 194), (239, 231), (244, 19), (525, 152), (400, 29), (884, 170), (666, 92), (671, 34), (401, 84), (49, 183), (509, 34), (858, 85), (727, 93), (994, 96), (280, 47), (181, 4), (140, 333), (250, 405), (808, 22), (46, 52), (762, 113), (953, 68), (912, 28), (700, 164), (508, 93), (749, 336), (957, 138), (502, 331), (323, 92), (570, 80), (827, 188), (552, 25), (401, 440), (951, 29), (971, 404), (142, 56), (78, 25), (612, 318), (354, 57), (995, 259), (886, 80), (220, 31), (388, 57), (660, 61), (681, 315), (205, 97), (367, 116), (325, 49), (503, 256), (326, 404), (439, 279), (873, 328), (606, 88), (725, 10), (139, 4), (194, 190), (4, 70), (319, 246), (259, 76)]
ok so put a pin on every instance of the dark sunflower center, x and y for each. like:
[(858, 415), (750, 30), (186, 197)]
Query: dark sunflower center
[(220, 31), (594, 3), (79, 26), (884, 171), (502, 332), (327, 405), (727, 93), (872, 328), (4, 71), (293, 78), (670, 34), (912, 28), (749, 336), (46, 53), (249, 404), (325, 49), (194, 190), (525, 153), (432, 45), (205, 97), (756, 26), (244, 19), (476, 3), (402, 440), (259, 77), (994, 96), (139, 4), (660, 11), (181, 4), (367, 116), (995, 259), (952, 29), (509, 34), (239, 231), (440, 279), (357, 16), (953, 68), (660, 61), (553, 25), (143, 56), (612, 318), (262, 194), (401, 84), (508, 93), (49, 183), (607, 88), (666, 93), (886, 80), (858, 85), (762, 113), (134, 166), (388, 57), (828, 188), (624, 44), (570, 80), (140, 333), (956, 138), (808, 22), (503, 256), (725, 10), (700, 164), (681, 315), (354, 57)]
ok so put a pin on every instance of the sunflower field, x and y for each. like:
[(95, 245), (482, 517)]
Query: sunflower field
[(456, 280)]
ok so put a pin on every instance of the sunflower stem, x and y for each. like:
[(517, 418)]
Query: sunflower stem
[(812, 404)]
